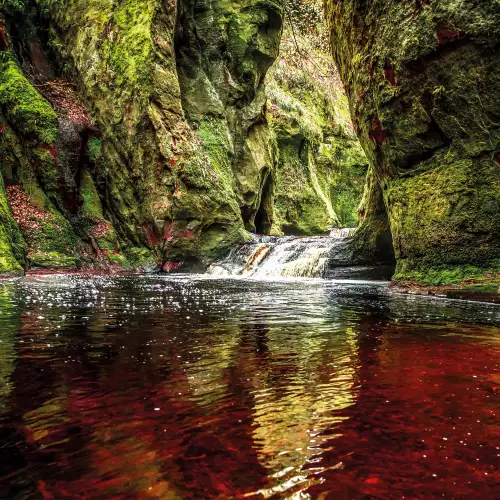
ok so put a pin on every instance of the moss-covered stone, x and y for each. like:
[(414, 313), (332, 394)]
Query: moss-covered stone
[(422, 80), (321, 167), (151, 170), (224, 50), (23, 106), (29, 160), (50, 239), (372, 242), (11, 241)]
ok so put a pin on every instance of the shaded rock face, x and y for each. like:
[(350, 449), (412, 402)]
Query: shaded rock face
[(422, 80), (11, 241), (146, 133), (40, 185), (100, 161), (224, 50)]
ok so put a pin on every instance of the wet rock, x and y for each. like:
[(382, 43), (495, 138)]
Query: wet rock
[(430, 127)]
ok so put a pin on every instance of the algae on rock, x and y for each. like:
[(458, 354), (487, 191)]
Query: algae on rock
[(321, 168), (422, 80)]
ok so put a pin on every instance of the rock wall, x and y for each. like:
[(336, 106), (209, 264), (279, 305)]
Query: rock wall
[(158, 188), (321, 165), (422, 79), (224, 50), (119, 148), (33, 171), (148, 132)]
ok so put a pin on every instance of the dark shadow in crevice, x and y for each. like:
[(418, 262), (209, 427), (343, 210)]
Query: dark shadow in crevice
[(263, 217)]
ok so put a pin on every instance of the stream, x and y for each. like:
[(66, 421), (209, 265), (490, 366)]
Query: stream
[(213, 387)]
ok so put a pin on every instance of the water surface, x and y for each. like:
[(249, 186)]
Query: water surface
[(194, 387)]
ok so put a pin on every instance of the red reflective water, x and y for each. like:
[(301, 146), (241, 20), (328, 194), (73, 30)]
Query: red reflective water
[(187, 388)]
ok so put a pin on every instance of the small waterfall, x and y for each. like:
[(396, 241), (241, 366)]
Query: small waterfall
[(287, 256), (328, 257)]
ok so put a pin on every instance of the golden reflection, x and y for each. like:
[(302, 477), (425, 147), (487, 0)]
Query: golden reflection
[(9, 320)]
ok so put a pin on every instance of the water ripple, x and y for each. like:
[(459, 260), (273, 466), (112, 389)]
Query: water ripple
[(206, 387)]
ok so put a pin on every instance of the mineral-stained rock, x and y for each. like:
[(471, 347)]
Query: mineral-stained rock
[(136, 133), (422, 80), (30, 164)]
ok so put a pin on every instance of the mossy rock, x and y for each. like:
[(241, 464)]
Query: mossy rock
[(12, 248), (422, 80), (321, 166), (23, 106)]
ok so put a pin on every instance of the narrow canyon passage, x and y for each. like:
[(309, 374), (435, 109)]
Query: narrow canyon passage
[(249, 249)]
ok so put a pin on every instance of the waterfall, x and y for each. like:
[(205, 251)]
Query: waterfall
[(291, 256)]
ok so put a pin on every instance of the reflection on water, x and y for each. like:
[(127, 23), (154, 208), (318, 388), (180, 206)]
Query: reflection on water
[(189, 387)]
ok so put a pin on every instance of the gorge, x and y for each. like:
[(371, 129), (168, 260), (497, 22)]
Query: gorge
[(148, 135), (249, 249)]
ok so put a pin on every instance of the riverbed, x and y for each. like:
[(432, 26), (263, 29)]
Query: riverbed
[(204, 387)]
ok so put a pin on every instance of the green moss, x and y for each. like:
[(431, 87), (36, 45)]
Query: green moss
[(372, 241), (222, 94), (299, 208), (52, 260), (94, 147), (48, 236), (448, 214), (131, 53), (319, 177), (92, 214), (216, 239), (119, 260), (11, 240), (346, 161), (422, 81), (143, 258), (23, 106), (216, 172), (47, 170), (461, 275), (150, 163), (91, 203), (51, 240)]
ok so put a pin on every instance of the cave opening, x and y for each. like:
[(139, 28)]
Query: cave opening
[(263, 218)]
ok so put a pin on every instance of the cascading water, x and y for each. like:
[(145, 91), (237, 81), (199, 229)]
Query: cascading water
[(287, 256), (290, 256)]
